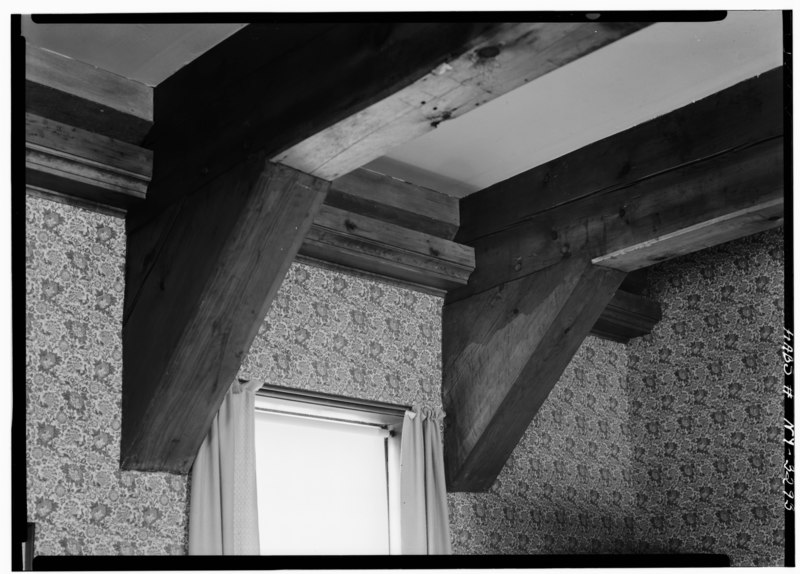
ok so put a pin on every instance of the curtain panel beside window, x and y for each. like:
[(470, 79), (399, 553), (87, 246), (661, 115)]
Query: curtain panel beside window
[(223, 511), (424, 522)]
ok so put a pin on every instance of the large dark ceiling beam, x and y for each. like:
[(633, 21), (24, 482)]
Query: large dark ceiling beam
[(87, 97), (221, 224), (212, 244), (416, 76), (510, 56), (699, 176), (77, 166), (677, 212), (83, 126), (391, 229), (704, 178), (742, 115)]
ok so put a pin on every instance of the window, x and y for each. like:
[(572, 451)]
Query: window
[(328, 473)]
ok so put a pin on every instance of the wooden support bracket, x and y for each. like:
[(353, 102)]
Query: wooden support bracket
[(207, 288), (503, 350)]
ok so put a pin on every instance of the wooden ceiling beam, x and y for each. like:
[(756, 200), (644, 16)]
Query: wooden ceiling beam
[(687, 209), (70, 163), (209, 247), (710, 182), (390, 229), (86, 97), (278, 95), (342, 95), (744, 114), (374, 246), (557, 241), (395, 201), (497, 61), (83, 126)]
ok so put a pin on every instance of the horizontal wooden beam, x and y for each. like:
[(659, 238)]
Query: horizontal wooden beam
[(395, 201), (342, 95), (693, 207), (316, 77), (627, 316), (695, 204), (72, 162), (366, 244), (314, 80), (78, 94), (206, 292), (209, 247), (747, 113), (503, 350), (552, 246), (494, 62)]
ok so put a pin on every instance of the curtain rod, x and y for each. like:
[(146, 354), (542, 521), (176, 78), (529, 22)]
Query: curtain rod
[(383, 426), (328, 399)]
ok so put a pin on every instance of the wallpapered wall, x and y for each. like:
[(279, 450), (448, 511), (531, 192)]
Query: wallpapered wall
[(80, 500), (325, 331), (345, 335), (669, 444), (566, 487), (706, 405)]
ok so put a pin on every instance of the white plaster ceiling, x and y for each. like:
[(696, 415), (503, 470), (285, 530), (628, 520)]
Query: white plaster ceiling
[(147, 53), (642, 76), (647, 74)]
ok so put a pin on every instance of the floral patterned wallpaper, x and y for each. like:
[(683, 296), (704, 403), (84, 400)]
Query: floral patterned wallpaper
[(342, 334), (669, 444), (80, 500), (566, 487), (706, 405)]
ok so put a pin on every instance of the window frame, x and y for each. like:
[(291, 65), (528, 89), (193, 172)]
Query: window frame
[(350, 410)]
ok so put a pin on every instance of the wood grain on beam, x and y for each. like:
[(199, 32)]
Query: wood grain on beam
[(70, 161), (371, 245), (503, 350), (395, 201), (495, 62), (78, 94), (206, 291), (314, 78), (210, 245), (744, 114), (627, 316), (273, 97), (341, 93), (677, 212)]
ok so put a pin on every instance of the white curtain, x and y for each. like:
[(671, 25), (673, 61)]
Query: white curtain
[(223, 513), (424, 523)]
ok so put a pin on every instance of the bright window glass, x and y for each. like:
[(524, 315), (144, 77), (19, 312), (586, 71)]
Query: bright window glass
[(322, 484)]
